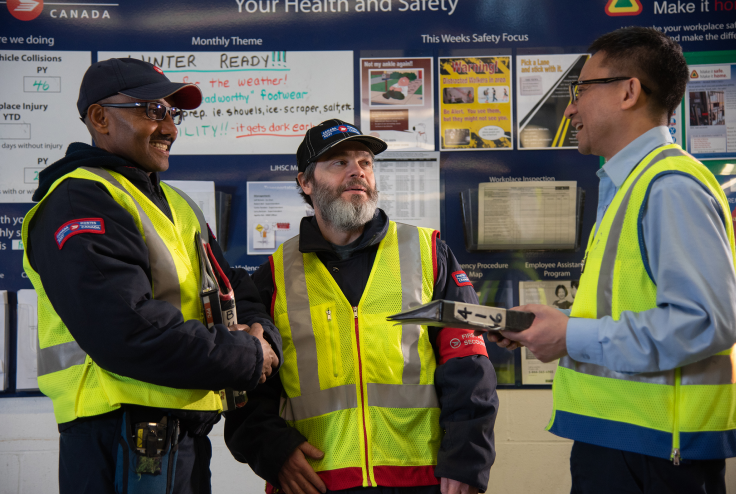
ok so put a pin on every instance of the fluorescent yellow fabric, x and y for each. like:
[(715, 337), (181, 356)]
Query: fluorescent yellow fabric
[(659, 401), (87, 390), (370, 353)]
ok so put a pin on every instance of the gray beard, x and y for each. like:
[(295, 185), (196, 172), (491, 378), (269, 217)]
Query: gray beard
[(340, 214)]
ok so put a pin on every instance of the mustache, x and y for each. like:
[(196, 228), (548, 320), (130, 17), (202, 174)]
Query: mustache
[(162, 137), (357, 182)]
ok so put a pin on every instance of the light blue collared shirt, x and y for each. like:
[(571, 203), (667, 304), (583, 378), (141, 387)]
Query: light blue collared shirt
[(689, 256)]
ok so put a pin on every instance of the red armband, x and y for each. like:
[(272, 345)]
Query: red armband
[(455, 342)]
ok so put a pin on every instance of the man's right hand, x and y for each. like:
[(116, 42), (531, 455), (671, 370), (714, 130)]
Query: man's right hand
[(270, 359), (297, 476)]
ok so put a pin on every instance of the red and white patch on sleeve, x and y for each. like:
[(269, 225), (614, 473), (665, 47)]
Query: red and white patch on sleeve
[(75, 227), (461, 279), (456, 342)]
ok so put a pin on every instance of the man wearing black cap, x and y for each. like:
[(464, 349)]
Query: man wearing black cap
[(363, 406), (125, 269)]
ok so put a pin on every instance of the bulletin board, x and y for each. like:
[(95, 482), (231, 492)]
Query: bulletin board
[(270, 69)]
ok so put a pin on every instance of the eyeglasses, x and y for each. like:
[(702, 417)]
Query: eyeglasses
[(574, 94), (154, 111)]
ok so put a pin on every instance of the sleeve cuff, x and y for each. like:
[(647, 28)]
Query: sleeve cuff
[(582, 341)]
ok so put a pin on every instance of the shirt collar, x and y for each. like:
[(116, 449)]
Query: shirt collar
[(620, 166)]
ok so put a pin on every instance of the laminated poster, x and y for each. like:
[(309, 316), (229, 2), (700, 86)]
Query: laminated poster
[(555, 293), (710, 111), (475, 103), (396, 102), (542, 90), (275, 210)]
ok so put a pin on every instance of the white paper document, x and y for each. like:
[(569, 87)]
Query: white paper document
[(531, 215), (4, 340), (275, 210), (27, 351), (409, 186), (40, 116), (560, 294), (203, 193)]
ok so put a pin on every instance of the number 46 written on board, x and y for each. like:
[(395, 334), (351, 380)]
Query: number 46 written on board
[(41, 85)]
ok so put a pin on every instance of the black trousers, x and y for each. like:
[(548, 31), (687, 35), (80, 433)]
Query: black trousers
[(88, 455), (599, 470)]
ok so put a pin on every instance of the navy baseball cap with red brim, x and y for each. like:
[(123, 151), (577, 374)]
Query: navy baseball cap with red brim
[(134, 78)]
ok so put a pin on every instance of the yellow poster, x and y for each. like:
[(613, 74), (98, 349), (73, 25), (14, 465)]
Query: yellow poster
[(475, 103)]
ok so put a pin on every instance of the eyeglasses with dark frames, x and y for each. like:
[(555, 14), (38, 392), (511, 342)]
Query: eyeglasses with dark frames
[(154, 111), (574, 95)]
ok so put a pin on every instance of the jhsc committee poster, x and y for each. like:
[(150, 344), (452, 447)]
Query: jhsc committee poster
[(475, 103)]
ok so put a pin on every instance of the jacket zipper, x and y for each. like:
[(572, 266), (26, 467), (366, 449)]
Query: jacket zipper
[(675, 456), (362, 397)]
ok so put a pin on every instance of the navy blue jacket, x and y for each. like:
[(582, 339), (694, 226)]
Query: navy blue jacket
[(466, 386), (100, 285)]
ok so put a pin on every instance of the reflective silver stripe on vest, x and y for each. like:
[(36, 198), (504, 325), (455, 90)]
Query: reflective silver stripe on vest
[(608, 262), (300, 322), (402, 395), (410, 260), (664, 377), (605, 287), (165, 279), (206, 273), (59, 357), (716, 369), (325, 401)]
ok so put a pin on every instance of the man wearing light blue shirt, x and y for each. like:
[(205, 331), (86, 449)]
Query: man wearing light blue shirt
[(644, 385)]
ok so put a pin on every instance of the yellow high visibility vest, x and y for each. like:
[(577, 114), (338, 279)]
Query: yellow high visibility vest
[(77, 386), (358, 387), (688, 412)]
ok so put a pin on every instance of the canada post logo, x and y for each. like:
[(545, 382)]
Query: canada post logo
[(340, 128), (623, 7), (25, 10)]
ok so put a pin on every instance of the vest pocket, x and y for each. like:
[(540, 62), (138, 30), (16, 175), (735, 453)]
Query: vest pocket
[(326, 327), (334, 336)]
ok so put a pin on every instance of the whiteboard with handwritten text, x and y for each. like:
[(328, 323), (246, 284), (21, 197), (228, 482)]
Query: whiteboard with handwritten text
[(259, 102)]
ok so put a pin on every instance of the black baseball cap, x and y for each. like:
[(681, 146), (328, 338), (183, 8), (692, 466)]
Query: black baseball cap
[(134, 78), (320, 139)]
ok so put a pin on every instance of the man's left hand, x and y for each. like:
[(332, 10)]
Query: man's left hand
[(449, 486), (546, 338)]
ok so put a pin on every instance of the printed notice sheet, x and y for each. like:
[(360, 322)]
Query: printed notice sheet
[(710, 111), (475, 103), (40, 116), (560, 294), (275, 210), (259, 102), (409, 186), (4, 340), (527, 215), (396, 102), (26, 378), (542, 88)]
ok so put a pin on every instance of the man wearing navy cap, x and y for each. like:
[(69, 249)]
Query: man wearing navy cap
[(123, 265), (363, 406)]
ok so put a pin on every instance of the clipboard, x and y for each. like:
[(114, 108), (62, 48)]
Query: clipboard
[(465, 316)]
